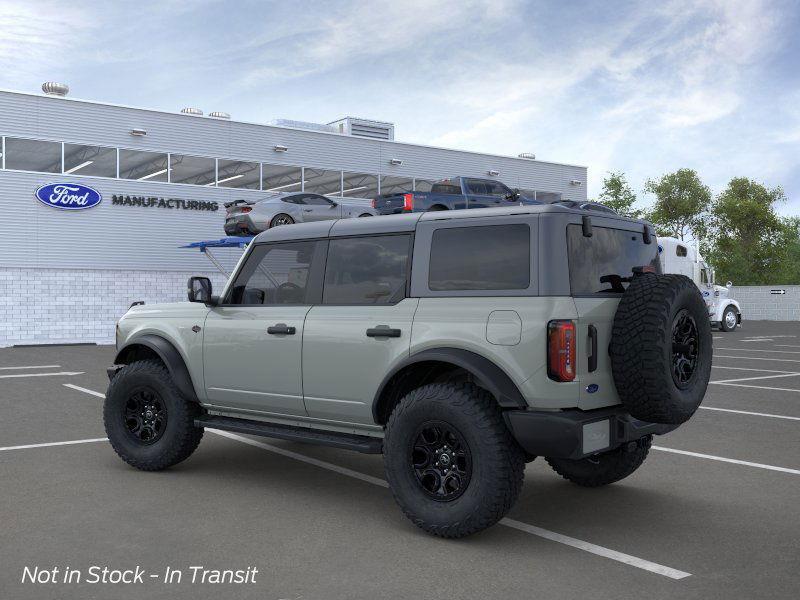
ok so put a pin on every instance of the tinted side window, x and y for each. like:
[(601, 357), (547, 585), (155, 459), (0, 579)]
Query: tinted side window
[(604, 263), (491, 257), (495, 188), (366, 270), (274, 274), (476, 186), (681, 251), (294, 199), (445, 188), (315, 200)]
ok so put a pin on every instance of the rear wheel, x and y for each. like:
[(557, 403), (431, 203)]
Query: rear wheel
[(281, 219), (729, 319), (451, 462), (149, 423), (605, 468)]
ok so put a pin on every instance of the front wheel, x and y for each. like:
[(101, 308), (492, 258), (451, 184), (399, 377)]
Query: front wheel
[(729, 319), (450, 460), (605, 468), (149, 423), (281, 219)]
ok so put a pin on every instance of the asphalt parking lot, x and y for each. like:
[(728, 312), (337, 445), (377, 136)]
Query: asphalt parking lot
[(711, 514)]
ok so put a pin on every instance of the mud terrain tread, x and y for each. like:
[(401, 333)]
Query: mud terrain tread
[(504, 459), (185, 440), (640, 366)]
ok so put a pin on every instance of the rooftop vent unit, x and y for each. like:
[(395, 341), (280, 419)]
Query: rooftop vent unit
[(51, 88), (219, 115), (303, 125), (192, 111), (527, 155), (376, 130)]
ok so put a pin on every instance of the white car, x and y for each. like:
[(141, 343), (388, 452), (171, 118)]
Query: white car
[(679, 257)]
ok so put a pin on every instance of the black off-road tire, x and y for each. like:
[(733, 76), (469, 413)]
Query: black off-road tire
[(179, 437), (643, 351), (497, 461), (605, 468), (723, 325)]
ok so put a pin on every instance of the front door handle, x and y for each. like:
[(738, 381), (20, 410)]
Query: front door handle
[(308, 209), (281, 329), (383, 331), (593, 343)]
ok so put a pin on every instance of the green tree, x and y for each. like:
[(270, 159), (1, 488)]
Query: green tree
[(681, 204), (618, 195), (750, 244)]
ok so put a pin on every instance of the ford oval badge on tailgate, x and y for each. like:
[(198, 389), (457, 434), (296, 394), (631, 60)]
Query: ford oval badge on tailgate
[(68, 196), (592, 388)]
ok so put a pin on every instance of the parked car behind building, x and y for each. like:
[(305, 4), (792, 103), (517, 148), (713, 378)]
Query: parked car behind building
[(249, 217)]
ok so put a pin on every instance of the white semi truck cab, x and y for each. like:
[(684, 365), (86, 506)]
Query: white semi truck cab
[(679, 257)]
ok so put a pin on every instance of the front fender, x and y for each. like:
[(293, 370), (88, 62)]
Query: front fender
[(169, 355), (723, 305)]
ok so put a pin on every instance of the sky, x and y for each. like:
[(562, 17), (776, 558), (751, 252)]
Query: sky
[(639, 87)]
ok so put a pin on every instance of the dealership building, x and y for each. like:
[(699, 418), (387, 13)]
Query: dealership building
[(161, 180)]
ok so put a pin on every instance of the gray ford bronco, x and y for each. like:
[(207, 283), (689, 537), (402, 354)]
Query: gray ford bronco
[(458, 344)]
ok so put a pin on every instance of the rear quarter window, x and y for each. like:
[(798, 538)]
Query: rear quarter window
[(491, 257), (604, 262)]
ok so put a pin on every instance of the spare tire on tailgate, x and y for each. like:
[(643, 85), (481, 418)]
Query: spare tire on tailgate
[(661, 348)]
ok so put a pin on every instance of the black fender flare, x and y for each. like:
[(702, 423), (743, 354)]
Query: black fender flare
[(496, 381), (169, 355)]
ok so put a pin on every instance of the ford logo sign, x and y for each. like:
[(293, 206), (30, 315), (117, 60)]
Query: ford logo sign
[(68, 196), (592, 388)]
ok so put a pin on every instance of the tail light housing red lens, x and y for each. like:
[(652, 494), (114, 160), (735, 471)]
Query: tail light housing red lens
[(408, 202), (374, 202), (246, 209), (561, 350)]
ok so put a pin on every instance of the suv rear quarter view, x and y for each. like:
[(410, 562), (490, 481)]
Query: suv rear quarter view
[(458, 344)]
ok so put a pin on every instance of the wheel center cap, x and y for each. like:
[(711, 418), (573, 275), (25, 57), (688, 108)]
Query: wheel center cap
[(445, 459), (148, 414)]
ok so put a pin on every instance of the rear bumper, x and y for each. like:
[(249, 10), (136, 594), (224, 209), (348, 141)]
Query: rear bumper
[(576, 434)]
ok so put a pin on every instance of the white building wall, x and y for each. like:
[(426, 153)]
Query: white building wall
[(759, 303)]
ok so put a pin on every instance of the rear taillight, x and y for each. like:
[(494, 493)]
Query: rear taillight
[(246, 209), (408, 202), (374, 202), (561, 350)]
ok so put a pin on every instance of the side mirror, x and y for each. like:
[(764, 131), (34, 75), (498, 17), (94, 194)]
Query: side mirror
[(729, 285), (199, 289), (334, 204)]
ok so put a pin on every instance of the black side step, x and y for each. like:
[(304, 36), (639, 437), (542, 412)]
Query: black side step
[(348, 441)]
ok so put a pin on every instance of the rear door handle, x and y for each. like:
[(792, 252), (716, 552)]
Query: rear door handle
[(281, 329), (593, 343), (383, 331)]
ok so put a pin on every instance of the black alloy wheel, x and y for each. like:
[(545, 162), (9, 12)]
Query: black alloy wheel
[(282, 219), (145, 416), (441, 461), (685, 348)]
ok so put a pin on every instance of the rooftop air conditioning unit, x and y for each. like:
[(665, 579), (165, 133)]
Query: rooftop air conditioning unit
[(527, 155), (219, 115), (192, 111), (51, 88), (376, 130)]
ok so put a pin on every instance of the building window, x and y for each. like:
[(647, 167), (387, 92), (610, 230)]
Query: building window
[(194, 170), (237, 174), (491, 257), (280, 178), (360, 185), (96, 161), (396, 185), (33, 155), (681, 251), (143, 166), (320, 181), (366, 270)]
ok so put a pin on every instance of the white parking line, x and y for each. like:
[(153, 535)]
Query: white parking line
[(792, 360), (747, 412), (83, 389), (48, 444), (786, 346), (754, 378), (759, 387), (758, 350), (32, 367), (67, 373), (533, 530), (734, 368), (728, 460)]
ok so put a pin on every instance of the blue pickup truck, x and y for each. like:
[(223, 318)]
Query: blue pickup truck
[(452, 194)]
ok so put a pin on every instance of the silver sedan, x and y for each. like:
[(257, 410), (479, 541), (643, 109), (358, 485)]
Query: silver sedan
[(251, 217)]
